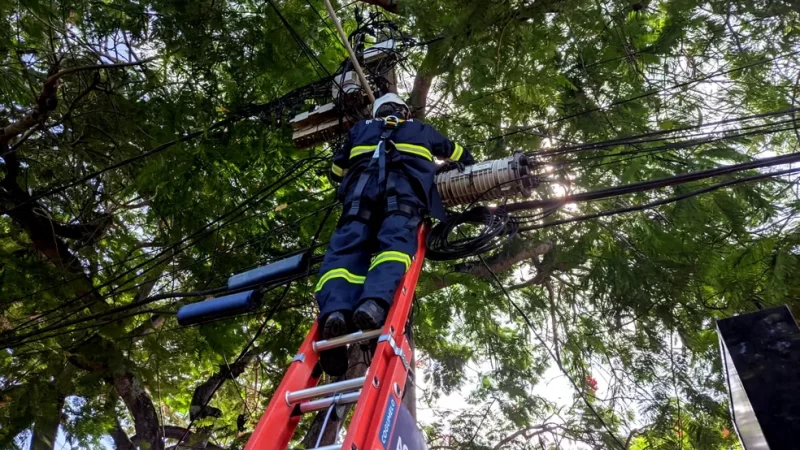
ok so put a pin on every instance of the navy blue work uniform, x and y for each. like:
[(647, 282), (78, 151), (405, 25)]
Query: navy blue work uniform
[(388, 186)]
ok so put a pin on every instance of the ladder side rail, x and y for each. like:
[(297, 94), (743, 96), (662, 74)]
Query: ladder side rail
[(387, 406), (386, 366), (277, 425)]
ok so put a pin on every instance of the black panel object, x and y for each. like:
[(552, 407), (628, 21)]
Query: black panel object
[(761, 358)]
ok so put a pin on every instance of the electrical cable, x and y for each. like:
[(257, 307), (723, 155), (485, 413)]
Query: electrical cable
[(240, 114), (577, 388), (665, 201), (117, 165), (654, 184), (300, 42), (37, 337), (269, 233), (640, 96), (643, 152), (642, 138), (238, 210), (244, 351), (26, 338), (496, 225)]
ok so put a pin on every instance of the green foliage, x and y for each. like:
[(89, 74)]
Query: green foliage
[(627, 300)]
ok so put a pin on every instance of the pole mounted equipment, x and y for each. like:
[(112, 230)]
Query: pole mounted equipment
[(490, 180)]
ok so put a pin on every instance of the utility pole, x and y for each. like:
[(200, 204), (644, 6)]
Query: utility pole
[(350, 51)]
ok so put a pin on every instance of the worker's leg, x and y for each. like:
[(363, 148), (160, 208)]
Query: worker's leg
[(397, 240), (339, 287), (341, 277)]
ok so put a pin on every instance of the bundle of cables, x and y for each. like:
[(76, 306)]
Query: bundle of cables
[(493, 226)]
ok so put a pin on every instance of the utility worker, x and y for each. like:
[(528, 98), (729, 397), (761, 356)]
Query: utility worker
[(387, 175)]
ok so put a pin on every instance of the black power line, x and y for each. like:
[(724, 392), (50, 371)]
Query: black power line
[(37, 335), (267, 234), (640, 96), (660, 135), (244, 351), (653, 184), (198, 234), (665, 201)]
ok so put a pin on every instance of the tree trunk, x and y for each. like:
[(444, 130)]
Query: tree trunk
[(410, 391), (357, 369), (121, 439), (437, 60), (140, 405), (45, 429)]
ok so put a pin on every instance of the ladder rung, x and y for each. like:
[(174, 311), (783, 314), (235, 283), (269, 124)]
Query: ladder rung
[(326, 389), (352, 338), (317, 405), (329, 447)]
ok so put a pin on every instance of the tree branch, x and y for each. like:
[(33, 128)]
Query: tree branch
[(173, 432), (47, 101), (511, 255), (199, 408), (388, 5), (437, 59), (121, 439), (527, 432), (87, 233), (65, 72)]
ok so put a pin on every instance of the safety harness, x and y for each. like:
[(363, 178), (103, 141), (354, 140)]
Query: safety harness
[(385, 145)]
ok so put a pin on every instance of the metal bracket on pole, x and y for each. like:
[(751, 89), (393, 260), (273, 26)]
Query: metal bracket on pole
[(350, 51)]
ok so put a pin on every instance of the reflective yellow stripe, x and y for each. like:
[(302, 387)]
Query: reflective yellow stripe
[(339, 273), (457, 153), (391, 255), (338, 171), (361, 149), (416, 150)]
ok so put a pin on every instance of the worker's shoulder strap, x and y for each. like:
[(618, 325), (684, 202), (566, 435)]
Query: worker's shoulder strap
[(394, 206)]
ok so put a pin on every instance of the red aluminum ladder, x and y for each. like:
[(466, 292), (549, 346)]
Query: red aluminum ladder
[(377, 394)]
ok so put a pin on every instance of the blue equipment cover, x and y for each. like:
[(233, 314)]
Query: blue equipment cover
[(275, 271), (217, 308)]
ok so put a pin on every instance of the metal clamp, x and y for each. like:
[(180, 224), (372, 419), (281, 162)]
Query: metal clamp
[(397, 350), (299, 357)]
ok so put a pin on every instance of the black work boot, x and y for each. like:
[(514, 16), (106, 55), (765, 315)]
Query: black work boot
[(334, 361), (369, 316)]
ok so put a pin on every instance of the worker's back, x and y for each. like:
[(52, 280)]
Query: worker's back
[(412, 148)]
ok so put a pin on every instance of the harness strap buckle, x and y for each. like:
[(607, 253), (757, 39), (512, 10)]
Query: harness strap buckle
[(391, 204), (355, 206), (390, 122)]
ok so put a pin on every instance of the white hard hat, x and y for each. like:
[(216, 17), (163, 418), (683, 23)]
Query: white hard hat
[(388, 98)]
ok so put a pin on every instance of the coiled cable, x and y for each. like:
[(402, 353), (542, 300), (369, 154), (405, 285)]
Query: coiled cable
[(495, 226)]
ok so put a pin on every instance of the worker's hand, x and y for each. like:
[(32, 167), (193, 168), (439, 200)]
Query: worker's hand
[(450, 165)]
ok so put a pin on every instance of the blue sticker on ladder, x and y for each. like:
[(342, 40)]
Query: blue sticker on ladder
[(388, 421)]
